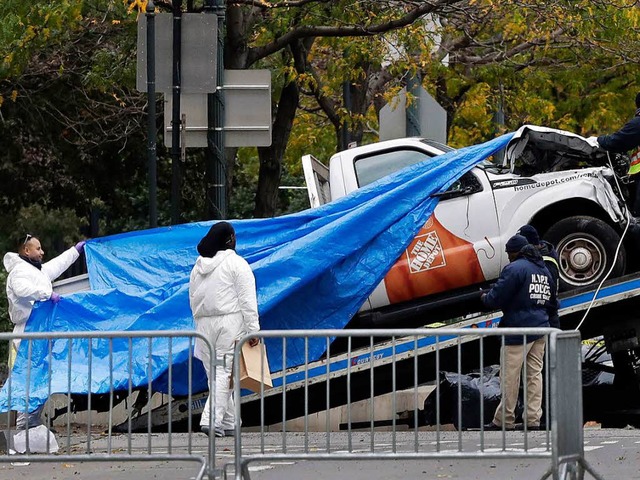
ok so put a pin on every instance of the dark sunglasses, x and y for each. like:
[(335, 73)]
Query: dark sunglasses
[(27, 238)]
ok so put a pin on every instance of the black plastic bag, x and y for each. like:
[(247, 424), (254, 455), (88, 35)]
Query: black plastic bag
[(472, 388)]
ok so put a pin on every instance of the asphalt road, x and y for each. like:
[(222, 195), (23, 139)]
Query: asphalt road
[(614, 454)]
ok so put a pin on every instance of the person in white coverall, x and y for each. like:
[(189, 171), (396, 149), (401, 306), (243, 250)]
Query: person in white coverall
[(29, 281), (222, 295)]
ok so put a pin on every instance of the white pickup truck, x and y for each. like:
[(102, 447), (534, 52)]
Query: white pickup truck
[(570, 191)]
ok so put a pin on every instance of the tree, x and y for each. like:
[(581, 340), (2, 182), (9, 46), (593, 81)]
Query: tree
[(324, 47), (70, 107)]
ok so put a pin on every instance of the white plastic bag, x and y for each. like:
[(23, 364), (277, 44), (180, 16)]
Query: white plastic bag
[(37, 441)]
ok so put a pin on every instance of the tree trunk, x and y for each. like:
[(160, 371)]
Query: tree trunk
[(271, 157)]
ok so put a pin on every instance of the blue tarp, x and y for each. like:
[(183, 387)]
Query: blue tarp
[(313, 269)]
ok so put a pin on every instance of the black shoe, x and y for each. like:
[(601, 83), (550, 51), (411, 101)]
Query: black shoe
[(530, 428), (492, 427), (229, 433), (205, 430)]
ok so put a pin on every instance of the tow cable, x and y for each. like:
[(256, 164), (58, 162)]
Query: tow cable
[(613, 263)]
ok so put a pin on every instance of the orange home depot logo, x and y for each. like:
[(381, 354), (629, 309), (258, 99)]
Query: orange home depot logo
[(425, 253), (435, 261)]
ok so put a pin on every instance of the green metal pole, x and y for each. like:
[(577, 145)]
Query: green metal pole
[(216, 164)]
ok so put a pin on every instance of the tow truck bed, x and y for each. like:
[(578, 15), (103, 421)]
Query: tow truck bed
[(354, 370)]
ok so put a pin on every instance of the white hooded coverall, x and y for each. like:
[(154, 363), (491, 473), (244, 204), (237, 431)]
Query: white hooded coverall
[(222, 295), (25, 286)]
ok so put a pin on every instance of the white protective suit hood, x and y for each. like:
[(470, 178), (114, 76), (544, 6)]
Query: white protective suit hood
[(10, 260), (206, 265)]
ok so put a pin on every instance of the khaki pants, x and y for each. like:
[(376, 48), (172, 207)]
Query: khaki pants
[(513, 358)]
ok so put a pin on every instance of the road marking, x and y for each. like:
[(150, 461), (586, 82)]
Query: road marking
[(590, 448), (259, 468), (609, 442)]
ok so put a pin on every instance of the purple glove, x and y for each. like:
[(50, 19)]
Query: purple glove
[(55, 298), (80, 246)]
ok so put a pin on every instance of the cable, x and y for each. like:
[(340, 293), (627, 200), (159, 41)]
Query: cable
[(613, 264)]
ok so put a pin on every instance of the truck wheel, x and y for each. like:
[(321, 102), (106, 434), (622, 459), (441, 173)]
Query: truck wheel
[(586, 247)]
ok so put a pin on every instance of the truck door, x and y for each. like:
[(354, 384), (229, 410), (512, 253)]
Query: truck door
[(316, 176), (458, 246)]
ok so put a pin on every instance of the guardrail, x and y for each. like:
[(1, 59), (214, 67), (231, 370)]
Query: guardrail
[(561, 442), (107, 363)]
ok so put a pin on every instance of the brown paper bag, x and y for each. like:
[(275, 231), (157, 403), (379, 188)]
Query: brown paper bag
[(250, 368)]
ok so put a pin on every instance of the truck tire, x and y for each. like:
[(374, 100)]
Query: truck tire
[(586, 247)]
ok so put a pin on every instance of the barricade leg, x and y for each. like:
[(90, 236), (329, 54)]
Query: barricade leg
[(567, 422)]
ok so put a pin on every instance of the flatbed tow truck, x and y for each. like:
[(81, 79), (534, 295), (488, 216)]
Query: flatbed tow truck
[(613, 315)]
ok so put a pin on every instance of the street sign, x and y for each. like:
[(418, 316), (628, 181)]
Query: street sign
[(432, 117), (247, 114), (198, 53), (247, 108)]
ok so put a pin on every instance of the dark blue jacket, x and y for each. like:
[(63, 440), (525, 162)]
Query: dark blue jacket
[(525, 292), (552, 262), (625, 139)]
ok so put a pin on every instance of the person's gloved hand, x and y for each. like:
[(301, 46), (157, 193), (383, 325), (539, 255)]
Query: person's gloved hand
[(80, 246), (593, 141), (55, 298)]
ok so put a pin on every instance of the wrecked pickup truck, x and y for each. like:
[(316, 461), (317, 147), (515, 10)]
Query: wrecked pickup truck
[(573, 193)]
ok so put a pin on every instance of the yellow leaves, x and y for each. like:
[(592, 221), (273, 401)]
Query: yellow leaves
[(139, 5), (516, 27), (14, 95), (633, 15), (474, 115), (1, 100), (119, 100), (477, 105), (29, 34), (115, 22), (566, 122), (305, 80)]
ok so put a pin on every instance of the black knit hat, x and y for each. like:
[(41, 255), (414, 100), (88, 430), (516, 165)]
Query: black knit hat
[(516, 243), (219, 237), (530, 233)]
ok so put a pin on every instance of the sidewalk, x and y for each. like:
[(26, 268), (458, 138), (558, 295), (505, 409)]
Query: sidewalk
[(614, 454)]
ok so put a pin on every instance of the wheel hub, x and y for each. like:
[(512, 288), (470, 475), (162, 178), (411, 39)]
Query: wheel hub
[(580, 259)]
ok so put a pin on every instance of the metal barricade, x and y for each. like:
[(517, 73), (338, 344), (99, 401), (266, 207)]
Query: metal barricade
[(94, 366), (375, 362)]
